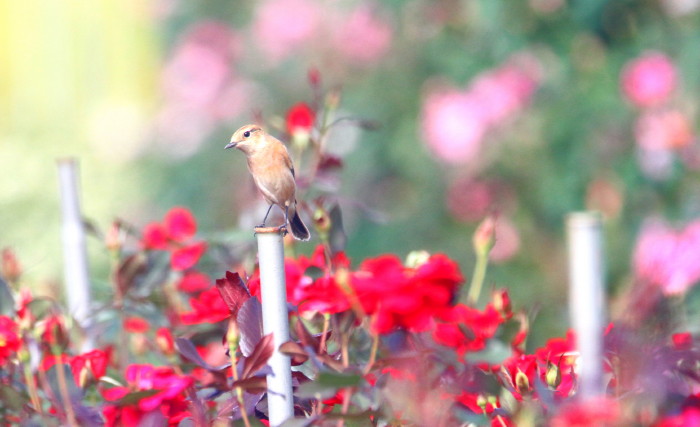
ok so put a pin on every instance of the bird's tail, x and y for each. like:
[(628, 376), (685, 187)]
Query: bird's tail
[(299, 230)]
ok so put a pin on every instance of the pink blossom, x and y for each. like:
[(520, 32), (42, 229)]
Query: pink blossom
[(455, 122), (668, 258), (503, 92), (363, 36), (470, 200), (507, 240), (281, 27), (649, 79), (660, 130), (200, 65), (452, 125)]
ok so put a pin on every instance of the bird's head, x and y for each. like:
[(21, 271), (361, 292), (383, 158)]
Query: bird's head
[(246, 137)]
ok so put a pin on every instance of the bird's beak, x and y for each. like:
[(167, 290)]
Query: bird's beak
[(231, 145)]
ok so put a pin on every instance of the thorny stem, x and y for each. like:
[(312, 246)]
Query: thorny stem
[(63, 387), (346, 405), (324, 332), (501, 420), (232, 348), (344, 341), (373, 353), (482, 261), (197, 414), (31, 386)]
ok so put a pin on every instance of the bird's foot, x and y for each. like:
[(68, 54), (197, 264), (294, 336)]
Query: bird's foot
[(282, 229)]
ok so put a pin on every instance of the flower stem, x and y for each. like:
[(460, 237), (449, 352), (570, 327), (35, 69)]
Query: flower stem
[(373, 353), (233, 341), (31, 386), (326, 324), (63, 388), (482, 261)]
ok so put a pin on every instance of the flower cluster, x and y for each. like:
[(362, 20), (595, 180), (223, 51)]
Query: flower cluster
[(456, 122), (175, 235), (387, 341), (648, 82)]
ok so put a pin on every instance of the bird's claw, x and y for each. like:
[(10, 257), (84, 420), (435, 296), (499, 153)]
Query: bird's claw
[(282, 229)]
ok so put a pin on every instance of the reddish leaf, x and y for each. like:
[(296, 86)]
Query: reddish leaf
[(332, 363), (252, 384), (307, 340), (329, 162), (230, 410), (189, 352), (130, 268), (233, 291), (250, 324), (295, 351), (258, 359)]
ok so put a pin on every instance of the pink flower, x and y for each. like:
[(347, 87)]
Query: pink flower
[(668, 258), (363, 36), (662, 130), (452, 125), (649, 79), (281, 27), (507, 240), (470, 200), (200, 65), (455, 123), (504, 91)]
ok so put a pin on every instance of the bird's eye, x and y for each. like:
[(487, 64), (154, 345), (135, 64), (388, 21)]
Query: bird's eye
[(246, 133)]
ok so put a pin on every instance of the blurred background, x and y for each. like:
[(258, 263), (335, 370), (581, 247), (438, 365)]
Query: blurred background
[(529, 109)]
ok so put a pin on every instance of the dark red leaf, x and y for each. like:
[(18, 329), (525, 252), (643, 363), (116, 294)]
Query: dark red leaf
[(307, 340), (295, 351), (230, 409), (250, 325), (233, 291), (132, 266), (252, 384), (329, 162), (189, 352), (258, 359)]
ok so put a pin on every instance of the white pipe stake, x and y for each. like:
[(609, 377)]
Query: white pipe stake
[(77, 283), (276, 321), (586, 298)]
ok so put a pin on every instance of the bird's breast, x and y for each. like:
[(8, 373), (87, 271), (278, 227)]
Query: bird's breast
[(273, 178)]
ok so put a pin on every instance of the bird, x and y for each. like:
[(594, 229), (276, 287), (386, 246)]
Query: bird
[(273, 172)]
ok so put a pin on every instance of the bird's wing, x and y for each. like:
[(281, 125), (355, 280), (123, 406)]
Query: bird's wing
[(288, 162)]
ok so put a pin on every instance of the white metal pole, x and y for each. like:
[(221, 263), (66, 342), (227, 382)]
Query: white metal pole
[(586, 297), (276, 321), (77, 283)]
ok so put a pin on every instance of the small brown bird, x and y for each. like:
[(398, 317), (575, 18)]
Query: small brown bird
[(273, 172)]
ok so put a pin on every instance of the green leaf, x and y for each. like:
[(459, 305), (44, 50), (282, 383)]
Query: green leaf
[(11, 398), (326, 384), (136, 396)]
